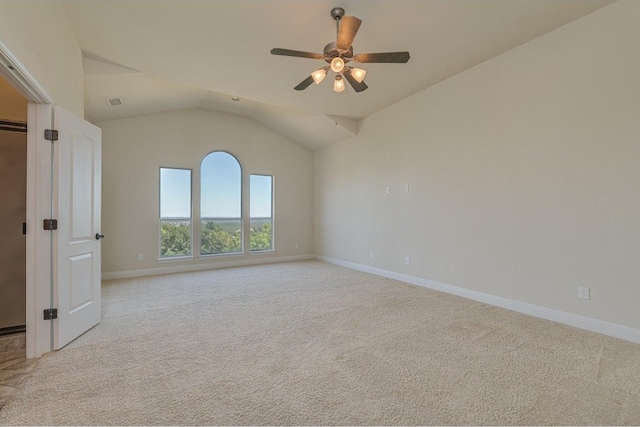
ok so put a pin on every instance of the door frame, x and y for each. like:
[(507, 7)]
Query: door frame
[(39, 334)]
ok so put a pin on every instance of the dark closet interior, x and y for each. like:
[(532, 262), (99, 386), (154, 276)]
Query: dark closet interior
[(13, 209)]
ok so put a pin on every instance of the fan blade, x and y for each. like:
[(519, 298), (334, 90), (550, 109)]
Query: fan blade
[(297, 53), (387, 57), (304, 84), (358, 87), (348, 29)]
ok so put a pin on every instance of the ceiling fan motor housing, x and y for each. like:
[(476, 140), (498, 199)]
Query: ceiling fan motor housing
[(331, 51)]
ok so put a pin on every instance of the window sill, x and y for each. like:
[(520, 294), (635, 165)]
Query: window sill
[(264, 251), (175, 259), (225, 255), (214, 256)]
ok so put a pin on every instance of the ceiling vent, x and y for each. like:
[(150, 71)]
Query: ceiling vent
[(115, 101)]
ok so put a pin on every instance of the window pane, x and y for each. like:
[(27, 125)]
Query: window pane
[(175, 212), (221, 204), (261, 211)]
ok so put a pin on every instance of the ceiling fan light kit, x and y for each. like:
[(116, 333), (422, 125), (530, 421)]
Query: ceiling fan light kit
[(319, 75), (358, 74), (338, 84), (337, 64), (340, 52)]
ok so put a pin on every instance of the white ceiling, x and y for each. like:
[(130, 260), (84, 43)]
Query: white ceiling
[(162, 55)]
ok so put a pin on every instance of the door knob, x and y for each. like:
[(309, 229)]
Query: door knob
[(99, 236)]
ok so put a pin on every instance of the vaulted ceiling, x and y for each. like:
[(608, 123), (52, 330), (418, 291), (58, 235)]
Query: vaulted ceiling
[(162, 55)]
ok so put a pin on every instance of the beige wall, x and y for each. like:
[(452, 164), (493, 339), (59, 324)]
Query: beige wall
[(523, 175), (135, 148), (38, 33)]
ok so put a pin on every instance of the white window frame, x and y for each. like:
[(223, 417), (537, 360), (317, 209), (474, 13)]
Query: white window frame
[(242, 213), (191, 217), (272, 217)]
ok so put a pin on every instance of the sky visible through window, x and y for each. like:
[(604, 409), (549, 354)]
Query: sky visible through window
[(220, 195), (220, 190), (175, 193), (260, 189)]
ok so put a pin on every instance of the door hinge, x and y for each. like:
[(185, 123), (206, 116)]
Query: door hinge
[(51, 134), (50, 313), (50, 224)]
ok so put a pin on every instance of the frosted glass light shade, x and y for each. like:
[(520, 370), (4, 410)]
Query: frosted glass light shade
[(358, 74), (337, 64), (319, 75), (338, 84)]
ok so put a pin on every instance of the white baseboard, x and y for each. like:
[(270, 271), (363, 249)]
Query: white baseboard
[(582, 322), (205, 265)]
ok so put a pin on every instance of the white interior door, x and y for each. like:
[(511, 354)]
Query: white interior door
[(77, 185)]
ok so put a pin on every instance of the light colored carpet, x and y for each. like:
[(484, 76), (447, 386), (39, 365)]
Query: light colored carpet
[(311, 343)]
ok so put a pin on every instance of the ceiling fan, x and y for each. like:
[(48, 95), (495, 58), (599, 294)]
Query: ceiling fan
[(339, 53)]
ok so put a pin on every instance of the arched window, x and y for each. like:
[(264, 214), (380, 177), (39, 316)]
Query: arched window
[(220, 204)]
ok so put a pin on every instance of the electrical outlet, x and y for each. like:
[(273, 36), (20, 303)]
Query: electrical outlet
[(140, 257), (583, 293), (387, 189), (371, 254), (406, 260), (406, 187)]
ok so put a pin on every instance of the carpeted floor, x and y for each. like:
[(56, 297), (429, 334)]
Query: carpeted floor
[(312, 343)]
